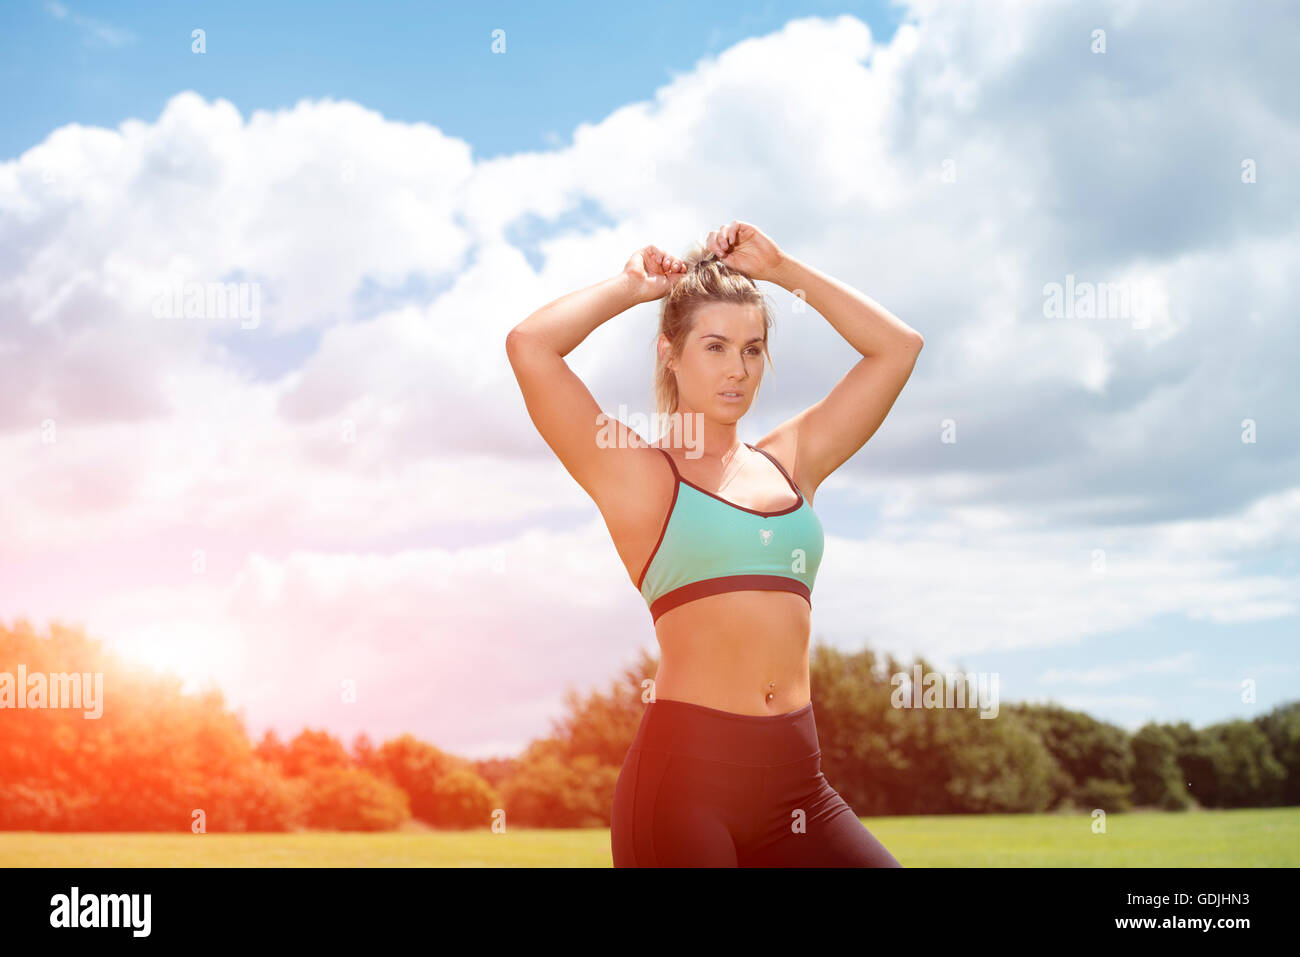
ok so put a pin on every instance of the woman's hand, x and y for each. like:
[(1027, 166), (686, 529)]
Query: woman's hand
[(653, 272), (745, 248)]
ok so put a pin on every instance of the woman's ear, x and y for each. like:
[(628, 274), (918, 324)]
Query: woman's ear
[(665, 348)]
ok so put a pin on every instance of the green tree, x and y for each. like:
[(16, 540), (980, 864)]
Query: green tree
[(1282, 728), (885, 759), (352, 799), (417, 767), (1247, 772), (1197, 763), (553, 790), (1084, 748), (464, 800), (1157, 780), (310, 750)]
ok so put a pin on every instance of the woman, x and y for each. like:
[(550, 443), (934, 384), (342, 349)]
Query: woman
[(725, 769)]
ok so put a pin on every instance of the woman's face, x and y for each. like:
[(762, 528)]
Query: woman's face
[(723, 353)]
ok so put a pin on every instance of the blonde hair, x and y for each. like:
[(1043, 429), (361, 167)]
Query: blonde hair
[(706, 280)]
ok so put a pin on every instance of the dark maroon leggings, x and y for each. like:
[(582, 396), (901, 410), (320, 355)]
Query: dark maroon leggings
[(706, 788)]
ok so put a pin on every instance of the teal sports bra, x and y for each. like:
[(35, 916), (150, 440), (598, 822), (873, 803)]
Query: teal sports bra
[(708, 546)]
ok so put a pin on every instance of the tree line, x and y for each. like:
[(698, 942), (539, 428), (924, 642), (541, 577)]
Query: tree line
[(161, 760)]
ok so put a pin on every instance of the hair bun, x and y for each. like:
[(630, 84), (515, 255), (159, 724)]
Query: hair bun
[(698, 253)]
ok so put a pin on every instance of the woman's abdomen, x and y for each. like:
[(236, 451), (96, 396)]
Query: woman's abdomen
[(729, 651)]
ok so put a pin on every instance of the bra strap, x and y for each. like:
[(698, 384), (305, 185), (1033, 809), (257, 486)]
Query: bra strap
[(671, 463), (779, 466)]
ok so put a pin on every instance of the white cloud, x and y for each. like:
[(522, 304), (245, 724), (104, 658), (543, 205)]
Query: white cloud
[(93, 30), (1073, 433), (1123, 671)]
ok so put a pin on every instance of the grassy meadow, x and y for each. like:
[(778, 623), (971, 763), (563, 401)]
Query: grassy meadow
[(1239, 838)]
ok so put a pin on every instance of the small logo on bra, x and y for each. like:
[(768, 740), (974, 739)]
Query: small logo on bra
[(766, 535)]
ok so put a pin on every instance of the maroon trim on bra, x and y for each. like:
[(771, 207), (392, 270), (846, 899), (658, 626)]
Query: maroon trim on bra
[(779, 466), (681, 480), (662, 531), (752, 511), (726, 583)]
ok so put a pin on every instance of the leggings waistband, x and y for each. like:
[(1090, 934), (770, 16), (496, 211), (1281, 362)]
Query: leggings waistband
[(754, 740)]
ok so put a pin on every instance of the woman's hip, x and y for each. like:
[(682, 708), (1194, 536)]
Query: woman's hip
[(707, 734)]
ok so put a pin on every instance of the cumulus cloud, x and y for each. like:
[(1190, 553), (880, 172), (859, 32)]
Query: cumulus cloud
[(347, 459)]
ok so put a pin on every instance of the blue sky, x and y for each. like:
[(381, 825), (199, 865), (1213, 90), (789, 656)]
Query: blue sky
[(952, 164), (413, 62)]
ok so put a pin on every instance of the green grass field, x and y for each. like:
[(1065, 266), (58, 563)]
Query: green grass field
[(1245, 838)]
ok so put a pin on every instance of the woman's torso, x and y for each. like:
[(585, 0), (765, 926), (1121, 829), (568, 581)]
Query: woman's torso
[(727, 651)]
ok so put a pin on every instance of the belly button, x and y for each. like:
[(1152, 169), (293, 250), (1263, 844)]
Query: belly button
[(770, 684)]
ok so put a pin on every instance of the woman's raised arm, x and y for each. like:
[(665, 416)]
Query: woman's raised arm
[(559, 403), (824, 436)]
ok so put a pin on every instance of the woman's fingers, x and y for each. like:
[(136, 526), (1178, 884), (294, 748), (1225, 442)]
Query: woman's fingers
[(661, 262), (723, 239), (726, 239)]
